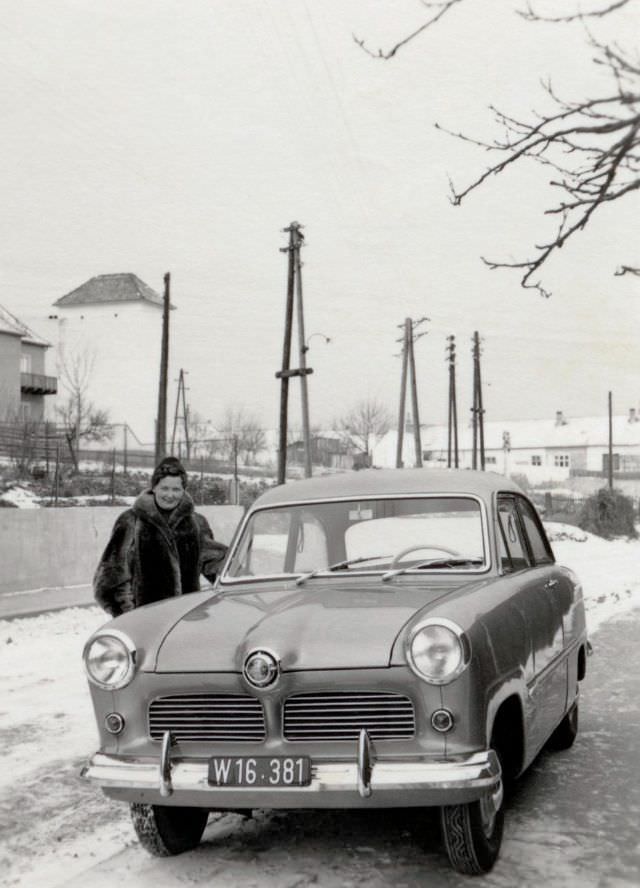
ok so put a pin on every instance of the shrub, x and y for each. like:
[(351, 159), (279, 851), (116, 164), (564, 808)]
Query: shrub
[(609, 514), (207, 491)]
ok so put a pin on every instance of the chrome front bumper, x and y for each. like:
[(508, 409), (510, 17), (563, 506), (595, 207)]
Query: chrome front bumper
[(365, 782)]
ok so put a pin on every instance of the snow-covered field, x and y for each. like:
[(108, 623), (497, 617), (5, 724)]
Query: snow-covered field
[(48, 728)]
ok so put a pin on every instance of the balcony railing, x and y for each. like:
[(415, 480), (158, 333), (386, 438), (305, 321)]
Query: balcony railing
[(37, 384)]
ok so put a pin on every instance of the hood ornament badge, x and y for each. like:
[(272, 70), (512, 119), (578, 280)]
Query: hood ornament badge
[(261, 668)]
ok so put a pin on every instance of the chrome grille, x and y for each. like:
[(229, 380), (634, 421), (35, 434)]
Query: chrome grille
[(341, 715), (207, 717)]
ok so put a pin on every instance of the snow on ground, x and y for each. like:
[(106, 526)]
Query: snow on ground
[(608, 570), (21, 497), (55, 823)]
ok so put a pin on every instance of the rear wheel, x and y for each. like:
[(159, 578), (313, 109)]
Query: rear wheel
[(164, 830), (564, 735)]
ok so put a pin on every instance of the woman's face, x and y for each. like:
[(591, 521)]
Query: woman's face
[(168, 492)]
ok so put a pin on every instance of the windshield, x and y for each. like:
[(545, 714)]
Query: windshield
[(443, 533)]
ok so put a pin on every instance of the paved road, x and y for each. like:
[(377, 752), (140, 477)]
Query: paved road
[(573, 821)]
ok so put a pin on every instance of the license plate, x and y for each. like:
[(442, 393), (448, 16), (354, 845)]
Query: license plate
[(260, 771)]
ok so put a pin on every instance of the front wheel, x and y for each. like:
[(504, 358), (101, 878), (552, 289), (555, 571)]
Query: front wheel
[(163, 830), (473, 833)]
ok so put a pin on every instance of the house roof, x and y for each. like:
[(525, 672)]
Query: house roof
[(526, 434), (10, 324), (125, 287)]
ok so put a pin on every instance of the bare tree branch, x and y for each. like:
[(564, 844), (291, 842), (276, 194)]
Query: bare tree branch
[(591, 146), (442, 9), (530, 15)]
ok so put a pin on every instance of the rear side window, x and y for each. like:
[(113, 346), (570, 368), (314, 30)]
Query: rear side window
[(539, 546), (513, 554)]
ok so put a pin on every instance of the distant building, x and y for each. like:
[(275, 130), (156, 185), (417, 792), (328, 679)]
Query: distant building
[(113, 321), (541, 449), (23, 382), (328, 449)]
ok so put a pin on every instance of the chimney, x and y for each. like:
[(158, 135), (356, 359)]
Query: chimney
[(560, 420), (633, 416)]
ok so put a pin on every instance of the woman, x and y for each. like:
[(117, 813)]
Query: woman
[(158, 548)]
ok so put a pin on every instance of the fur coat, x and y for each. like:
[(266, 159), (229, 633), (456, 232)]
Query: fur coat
[(154, 555)]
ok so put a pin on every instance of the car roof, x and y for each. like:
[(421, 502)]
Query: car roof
[(386, 482)]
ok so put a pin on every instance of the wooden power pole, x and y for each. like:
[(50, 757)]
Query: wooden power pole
[(403, 398), (409, 368), (477, 410), (452, 438), (294, 288), (161, 420), (610, 467), (181, 401)]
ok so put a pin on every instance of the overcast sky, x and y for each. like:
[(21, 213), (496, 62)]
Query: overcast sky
[(163, 135)]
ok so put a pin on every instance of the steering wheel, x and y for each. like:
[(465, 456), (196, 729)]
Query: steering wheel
[(401, 555)]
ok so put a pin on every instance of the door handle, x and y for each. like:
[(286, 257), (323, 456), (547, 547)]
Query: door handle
[(550, 584)]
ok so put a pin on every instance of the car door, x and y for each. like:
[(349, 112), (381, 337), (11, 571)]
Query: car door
[(539, 582)]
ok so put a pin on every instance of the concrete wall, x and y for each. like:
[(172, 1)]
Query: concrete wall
[(49, 548)]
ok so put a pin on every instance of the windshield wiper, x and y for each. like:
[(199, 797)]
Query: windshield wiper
[(432, 562), (339, 565)]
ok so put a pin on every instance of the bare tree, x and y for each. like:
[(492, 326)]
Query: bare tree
[(590, 146), (81, 419), (364, 425), (241, 431)]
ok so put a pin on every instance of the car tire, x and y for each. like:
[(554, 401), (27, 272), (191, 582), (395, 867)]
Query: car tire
[(565, 734), (164, 830), (471, 847)]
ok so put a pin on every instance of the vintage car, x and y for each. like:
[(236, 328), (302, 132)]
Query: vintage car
[(382, 638)]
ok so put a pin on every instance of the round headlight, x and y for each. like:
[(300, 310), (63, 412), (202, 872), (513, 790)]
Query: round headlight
[(109, 660), (438, 651)]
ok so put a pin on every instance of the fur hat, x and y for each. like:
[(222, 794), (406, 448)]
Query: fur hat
[(172, 466)]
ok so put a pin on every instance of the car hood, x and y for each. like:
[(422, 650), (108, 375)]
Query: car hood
[(319, 625)]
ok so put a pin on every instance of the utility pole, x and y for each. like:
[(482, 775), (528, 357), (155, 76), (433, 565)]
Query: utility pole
[(302, 350), (610, 467), (409, 367), (477, 410), (236, 482), (403, 398), (452, 437), (181, 396), (293, 276), (161, 420), (414, 399), (506, 448)]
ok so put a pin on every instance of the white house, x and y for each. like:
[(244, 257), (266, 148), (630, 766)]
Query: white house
[(113, 324), (541, 449)]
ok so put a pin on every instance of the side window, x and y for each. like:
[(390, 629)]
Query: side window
[(513, 554), (539, 546)]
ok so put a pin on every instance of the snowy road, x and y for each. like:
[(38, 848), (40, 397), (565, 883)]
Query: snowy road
[(574, 820)]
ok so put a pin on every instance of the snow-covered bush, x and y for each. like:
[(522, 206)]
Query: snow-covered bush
[(609, 514)]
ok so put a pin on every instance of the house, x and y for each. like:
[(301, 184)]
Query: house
[(111, 326), (328, 449), (24, 384), (542, 449)]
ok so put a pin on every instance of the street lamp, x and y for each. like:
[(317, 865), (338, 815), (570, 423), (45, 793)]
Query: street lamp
[(306, 346)]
